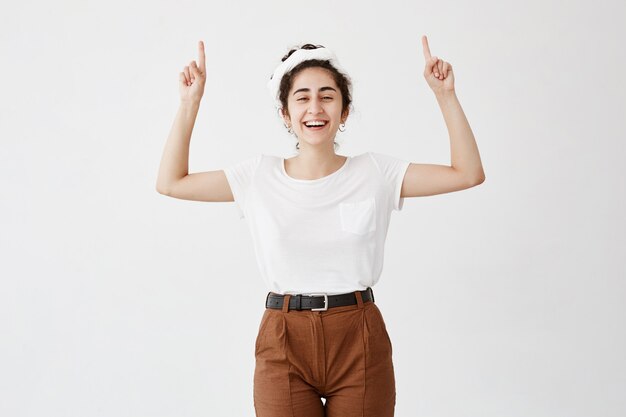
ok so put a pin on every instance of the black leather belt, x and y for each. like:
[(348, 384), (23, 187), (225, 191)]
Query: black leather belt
[(316, 301)]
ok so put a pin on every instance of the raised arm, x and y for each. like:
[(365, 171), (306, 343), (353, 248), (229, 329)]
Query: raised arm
[(466, 168), (173, 178)]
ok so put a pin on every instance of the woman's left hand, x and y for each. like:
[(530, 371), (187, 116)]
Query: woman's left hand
[(437, 72)]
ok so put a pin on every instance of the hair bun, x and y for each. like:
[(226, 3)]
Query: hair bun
[(305, 46)]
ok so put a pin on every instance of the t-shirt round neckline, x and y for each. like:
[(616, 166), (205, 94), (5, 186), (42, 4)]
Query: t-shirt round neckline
[(332, 174)]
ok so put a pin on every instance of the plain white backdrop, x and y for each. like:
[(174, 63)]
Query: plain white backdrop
[(506, 299)]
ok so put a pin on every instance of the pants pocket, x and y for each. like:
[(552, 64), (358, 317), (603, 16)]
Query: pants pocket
[(262, 325), (377, 327)]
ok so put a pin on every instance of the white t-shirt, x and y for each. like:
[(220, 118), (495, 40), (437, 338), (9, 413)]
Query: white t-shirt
[(324, 235)]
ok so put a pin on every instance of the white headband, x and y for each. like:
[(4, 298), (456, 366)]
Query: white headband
[(294, 59)]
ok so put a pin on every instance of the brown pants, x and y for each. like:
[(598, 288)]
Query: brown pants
[(343, 354)]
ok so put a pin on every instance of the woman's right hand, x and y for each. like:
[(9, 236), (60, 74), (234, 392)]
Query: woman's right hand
[(192, 79)]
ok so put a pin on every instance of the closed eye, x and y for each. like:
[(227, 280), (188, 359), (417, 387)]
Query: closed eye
[(304, 98)]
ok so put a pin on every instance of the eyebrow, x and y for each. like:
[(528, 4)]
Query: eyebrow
[(308, 89)]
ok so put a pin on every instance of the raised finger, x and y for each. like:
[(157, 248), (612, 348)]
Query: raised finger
[(201, 57), (425, 48)]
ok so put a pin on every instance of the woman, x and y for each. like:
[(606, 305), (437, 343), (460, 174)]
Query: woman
[(319, 222)]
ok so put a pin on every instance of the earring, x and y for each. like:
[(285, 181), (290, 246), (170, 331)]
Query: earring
[(344, 127), (289, 129)]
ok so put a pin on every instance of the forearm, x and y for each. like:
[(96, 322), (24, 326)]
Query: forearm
[(465, 157), (175, 159)]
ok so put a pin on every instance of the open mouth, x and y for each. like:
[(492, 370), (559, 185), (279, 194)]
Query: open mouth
[(316, 125)]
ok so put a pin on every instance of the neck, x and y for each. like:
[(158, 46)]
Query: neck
[(312, 163)]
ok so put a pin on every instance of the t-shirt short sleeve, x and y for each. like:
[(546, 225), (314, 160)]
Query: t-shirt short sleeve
[(240, 176), (393, 170)]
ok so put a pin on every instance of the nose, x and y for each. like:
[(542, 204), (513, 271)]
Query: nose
[(314, 107)]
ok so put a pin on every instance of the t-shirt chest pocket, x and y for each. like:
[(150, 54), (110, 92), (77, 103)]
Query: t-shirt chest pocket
[(358, 217)]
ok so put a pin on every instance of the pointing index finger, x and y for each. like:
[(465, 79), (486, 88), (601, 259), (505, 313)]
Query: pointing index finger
[(201, 57), (427, 55)]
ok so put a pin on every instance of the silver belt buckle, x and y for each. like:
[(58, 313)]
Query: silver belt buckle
[(325, 302)]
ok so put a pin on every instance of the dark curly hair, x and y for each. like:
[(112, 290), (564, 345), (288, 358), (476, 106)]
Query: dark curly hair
[(344, 83)]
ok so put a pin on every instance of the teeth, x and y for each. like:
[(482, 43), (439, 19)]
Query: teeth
[(315, 123)]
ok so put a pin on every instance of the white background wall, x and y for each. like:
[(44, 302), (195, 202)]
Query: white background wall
[(506, 299)]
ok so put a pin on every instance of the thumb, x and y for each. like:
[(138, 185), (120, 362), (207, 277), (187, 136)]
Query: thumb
[(430, 64)]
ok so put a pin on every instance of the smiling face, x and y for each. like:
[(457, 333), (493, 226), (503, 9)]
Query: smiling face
[(314, 95)]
